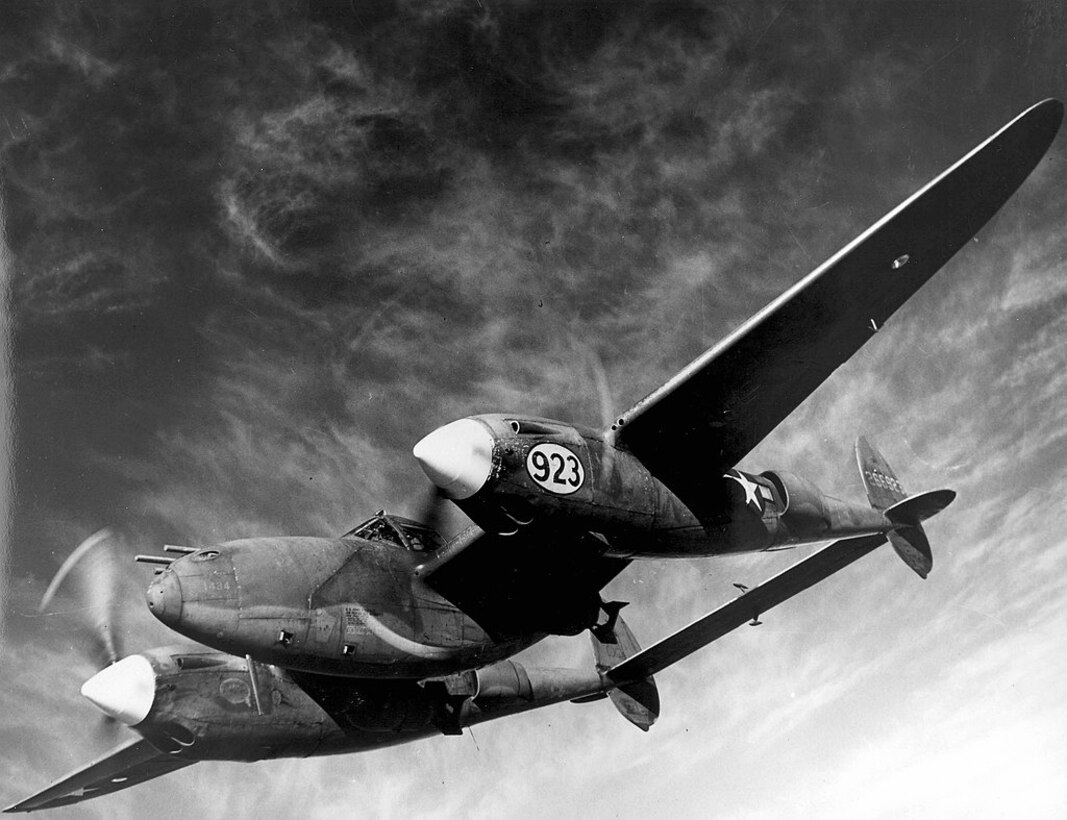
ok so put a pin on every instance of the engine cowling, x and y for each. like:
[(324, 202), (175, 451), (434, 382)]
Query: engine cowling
[(195, 703), (506, 471)]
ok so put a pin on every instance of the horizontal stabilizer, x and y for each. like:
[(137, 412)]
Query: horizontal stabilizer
[(909, 539), (917, 508), (746, 608), (120, 768)]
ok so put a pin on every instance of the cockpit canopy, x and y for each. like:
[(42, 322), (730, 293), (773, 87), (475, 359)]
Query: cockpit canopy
[(398, 531)]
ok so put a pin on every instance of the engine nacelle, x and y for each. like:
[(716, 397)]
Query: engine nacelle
[(194, 703), (506, 471)]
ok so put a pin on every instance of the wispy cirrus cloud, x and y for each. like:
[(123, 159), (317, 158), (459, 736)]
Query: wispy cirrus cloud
[(260, 252)]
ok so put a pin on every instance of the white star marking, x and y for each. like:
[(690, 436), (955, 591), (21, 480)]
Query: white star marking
[(750, 487)]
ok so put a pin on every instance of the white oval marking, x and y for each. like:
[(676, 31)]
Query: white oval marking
[(555, 468)]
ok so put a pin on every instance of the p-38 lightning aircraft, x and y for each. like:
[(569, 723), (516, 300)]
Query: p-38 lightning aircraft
[(390, 633)]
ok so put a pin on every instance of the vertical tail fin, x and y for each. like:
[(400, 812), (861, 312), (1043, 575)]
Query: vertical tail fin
[(879, 480), (905, 513), (638, 702)]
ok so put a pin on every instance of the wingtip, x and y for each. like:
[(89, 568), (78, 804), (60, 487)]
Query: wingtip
[(1049, 110), (1044, 119), (1050, 104), (1056, 109)]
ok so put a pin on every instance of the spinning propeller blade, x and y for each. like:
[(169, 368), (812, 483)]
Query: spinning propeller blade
[(458, 457), (605, 400), (93, 566), (96, 580), (433, 510)]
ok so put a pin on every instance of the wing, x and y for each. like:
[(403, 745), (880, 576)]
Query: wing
[(121, 768), (534, 581), (727, 400), (747, 607)]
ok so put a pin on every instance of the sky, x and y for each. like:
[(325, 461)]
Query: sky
[(253, 252)]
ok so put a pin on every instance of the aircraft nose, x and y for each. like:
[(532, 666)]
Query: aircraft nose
[(125, 690), (164, 597), (457, 458)]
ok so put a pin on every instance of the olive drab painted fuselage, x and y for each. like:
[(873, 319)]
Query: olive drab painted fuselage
[(352, 606)]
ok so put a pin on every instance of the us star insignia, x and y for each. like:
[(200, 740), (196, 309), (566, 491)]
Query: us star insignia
[(750, 487)]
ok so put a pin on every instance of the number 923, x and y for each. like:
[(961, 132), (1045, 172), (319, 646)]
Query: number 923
[(555, 468)]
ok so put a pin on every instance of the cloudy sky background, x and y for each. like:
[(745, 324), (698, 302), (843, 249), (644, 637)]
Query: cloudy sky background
[(254, 253)]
